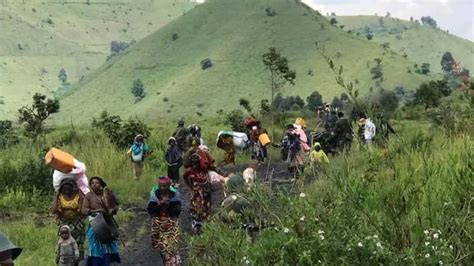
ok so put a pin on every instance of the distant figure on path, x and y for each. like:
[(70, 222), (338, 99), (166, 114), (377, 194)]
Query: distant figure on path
[(138, 152), (317, 156), (174, 160), (164, 207), (226, 143), (180, 135), (67, 251), (369, 131), (8, 251)]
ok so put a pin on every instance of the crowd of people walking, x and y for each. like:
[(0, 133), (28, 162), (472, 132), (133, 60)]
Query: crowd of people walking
[(85, 208)]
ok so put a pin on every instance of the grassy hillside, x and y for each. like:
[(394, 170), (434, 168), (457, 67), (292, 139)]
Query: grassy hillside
[(420, 43), (39, 38), (234, 35)]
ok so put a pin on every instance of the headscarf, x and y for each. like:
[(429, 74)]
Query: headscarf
[(165, 180), (137, 137), (316, 144), (101, 181), (172, 138), (299, 121), (69, 239), (203, 147)]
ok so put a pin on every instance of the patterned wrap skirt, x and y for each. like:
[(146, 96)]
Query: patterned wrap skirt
[(101, 254), (165, 237)]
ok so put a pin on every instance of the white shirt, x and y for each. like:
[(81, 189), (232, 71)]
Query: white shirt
[(369, 131)]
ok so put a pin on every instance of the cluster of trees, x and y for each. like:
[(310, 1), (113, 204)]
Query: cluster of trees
[(424, 69), (429, 21), (116, 47)]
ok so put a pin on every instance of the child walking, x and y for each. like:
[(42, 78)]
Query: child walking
[(67, 252)]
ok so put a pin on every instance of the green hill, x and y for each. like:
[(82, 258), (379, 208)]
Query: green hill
[(233, 35), (38, 38), (421, 43)]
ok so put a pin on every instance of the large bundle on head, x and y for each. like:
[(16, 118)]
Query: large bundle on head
[(238, 139), (66, 167)]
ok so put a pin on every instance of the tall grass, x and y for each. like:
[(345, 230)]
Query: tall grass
[(408, 203)]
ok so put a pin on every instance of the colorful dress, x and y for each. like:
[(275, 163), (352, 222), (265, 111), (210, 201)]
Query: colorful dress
[(198, 181), (100, 254), (165, 235), (226, 143), (71, 215)]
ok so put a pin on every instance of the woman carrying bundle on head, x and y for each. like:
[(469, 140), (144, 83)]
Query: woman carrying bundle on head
[(102, 234), (164, 207)]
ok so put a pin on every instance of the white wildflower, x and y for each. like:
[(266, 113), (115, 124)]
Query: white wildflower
[(349, 249), (247, 262), (321, 236), (376, 236), (375, 252), (379, 245), (440, 262), (302, 195), (286, 230), (244, 258), (445, 204), (319, 261), (360, 244), (427, 255), (451, 246), (426, 232), (302, 218), (427, 244), (320, 232), (316, 219), (435, 236)]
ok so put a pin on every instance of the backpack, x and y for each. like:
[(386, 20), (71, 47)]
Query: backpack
[(138, 157)]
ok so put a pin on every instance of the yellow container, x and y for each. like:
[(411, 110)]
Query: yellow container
[(59, 160), (264, 139)]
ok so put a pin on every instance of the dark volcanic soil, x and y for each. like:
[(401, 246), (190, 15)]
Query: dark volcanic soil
[(137, 233)]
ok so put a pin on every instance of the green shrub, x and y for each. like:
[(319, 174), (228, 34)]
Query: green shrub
[(119, 133)]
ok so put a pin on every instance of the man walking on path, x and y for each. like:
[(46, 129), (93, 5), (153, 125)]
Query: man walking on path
[(180, 135), (138, 152), (369, 132)]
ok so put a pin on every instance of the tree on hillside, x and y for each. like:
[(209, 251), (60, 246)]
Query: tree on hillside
[(280, 73), (376, 71), (429, 21), (138, 90), (447, 62), (245, 104), (425, 68), (430, 94), (314, 100), (333, 21), (388, 15), (62, 76), (32, 118)]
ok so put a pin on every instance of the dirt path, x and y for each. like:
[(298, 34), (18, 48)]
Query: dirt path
[(137, 233)]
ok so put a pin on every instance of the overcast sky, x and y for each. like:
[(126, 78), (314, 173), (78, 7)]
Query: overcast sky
[(453, 15)]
